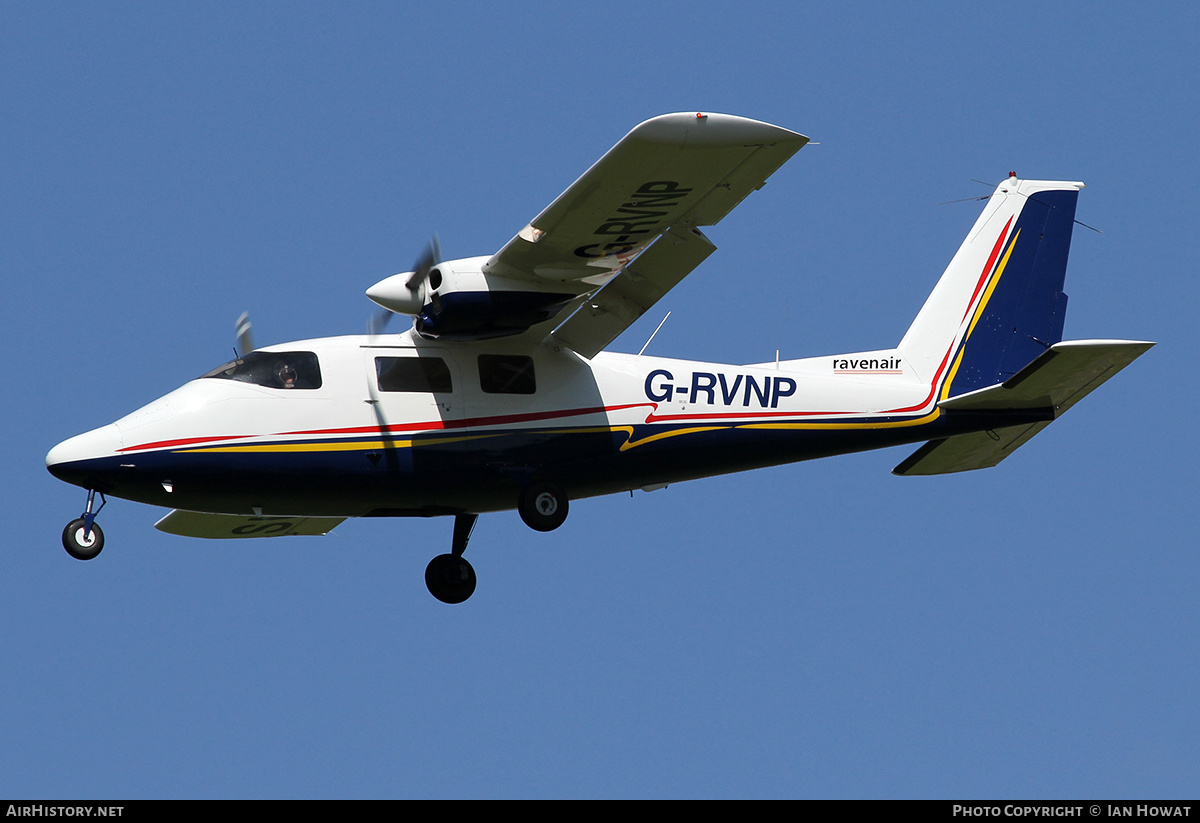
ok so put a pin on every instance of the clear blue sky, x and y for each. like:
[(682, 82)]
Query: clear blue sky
[(817, 630)]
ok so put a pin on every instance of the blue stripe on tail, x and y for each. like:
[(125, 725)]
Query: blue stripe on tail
[(1025, 312)]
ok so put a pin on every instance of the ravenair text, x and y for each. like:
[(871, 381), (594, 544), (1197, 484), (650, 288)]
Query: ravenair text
[(867, 365), (743, 390)]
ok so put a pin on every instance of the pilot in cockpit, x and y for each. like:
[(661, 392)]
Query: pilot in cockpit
[(286, 375)]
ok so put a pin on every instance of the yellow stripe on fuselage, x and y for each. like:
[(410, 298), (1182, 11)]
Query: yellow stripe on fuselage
[(630, 443), (358, 445), (369, 445), (628, 431), (891, 424)]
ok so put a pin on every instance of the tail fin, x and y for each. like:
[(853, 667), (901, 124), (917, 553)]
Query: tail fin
[(1000, 302)]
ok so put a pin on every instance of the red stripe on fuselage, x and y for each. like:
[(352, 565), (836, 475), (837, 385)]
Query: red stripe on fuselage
[(185, 441), (432, 425), (471, 422)]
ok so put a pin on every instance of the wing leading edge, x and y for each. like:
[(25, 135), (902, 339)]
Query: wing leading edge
[(642, 202)]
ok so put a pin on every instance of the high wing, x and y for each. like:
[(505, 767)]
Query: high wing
[(609, 246), (642, 202)]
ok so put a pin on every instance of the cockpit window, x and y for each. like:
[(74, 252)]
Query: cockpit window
[(274, 369)]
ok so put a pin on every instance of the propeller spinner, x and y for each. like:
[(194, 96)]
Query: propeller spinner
[(403, 293)]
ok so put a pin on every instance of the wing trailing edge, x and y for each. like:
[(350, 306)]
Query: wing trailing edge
[(603, 316)]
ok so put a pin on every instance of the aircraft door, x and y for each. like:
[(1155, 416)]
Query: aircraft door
[(413, 389)]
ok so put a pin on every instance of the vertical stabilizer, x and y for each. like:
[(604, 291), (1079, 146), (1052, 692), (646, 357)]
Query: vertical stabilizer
[(1000, 302)]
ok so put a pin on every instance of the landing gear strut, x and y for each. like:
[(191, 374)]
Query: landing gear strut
[(450, 577), (82, 538)]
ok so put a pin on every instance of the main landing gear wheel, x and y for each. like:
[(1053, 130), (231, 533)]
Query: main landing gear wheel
[(450, 578), (543, 506), (81, 543)]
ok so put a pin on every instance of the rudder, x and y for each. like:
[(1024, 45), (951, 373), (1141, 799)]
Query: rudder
[(1000, 302)]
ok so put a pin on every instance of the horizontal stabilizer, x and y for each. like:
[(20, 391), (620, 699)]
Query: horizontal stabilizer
[(1057, 379), (965, 452), (217, 526)]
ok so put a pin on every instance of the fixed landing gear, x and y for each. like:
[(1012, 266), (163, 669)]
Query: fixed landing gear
[(450, 577), (543, 506), (82, 538)]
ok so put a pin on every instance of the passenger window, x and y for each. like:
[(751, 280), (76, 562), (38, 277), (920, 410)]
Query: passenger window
[(273, 369), (506, 374), (413, 374)]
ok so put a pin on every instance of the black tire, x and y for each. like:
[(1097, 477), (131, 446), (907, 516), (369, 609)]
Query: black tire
[(78, 546), (543, 506), (450, 579)]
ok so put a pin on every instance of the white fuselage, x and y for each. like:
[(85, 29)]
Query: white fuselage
[(496, 413)]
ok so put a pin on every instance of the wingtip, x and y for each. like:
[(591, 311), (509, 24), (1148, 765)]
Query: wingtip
[(712, 128)]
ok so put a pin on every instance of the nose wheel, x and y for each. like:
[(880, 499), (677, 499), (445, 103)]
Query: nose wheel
[(82, 538), (80, 542)]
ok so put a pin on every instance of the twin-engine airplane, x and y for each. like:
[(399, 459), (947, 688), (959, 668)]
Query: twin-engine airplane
[(500, 396)]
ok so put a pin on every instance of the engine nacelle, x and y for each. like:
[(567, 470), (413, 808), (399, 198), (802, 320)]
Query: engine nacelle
[(458, 301)]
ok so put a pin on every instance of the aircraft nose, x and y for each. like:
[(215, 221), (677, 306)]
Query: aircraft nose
[(80, 460)]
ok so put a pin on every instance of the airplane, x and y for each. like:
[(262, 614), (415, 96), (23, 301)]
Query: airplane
[(500, 396)]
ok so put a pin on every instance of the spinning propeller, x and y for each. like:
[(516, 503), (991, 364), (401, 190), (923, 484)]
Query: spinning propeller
[(422, 269), (245, 337)]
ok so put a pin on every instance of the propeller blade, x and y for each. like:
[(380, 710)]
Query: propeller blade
[(377, 323), (425, 263), (245, 338)]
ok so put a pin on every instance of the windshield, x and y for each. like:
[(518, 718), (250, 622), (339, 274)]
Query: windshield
[(273, 369)]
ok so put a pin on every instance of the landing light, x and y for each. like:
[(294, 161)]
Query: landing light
[(531, 234)]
